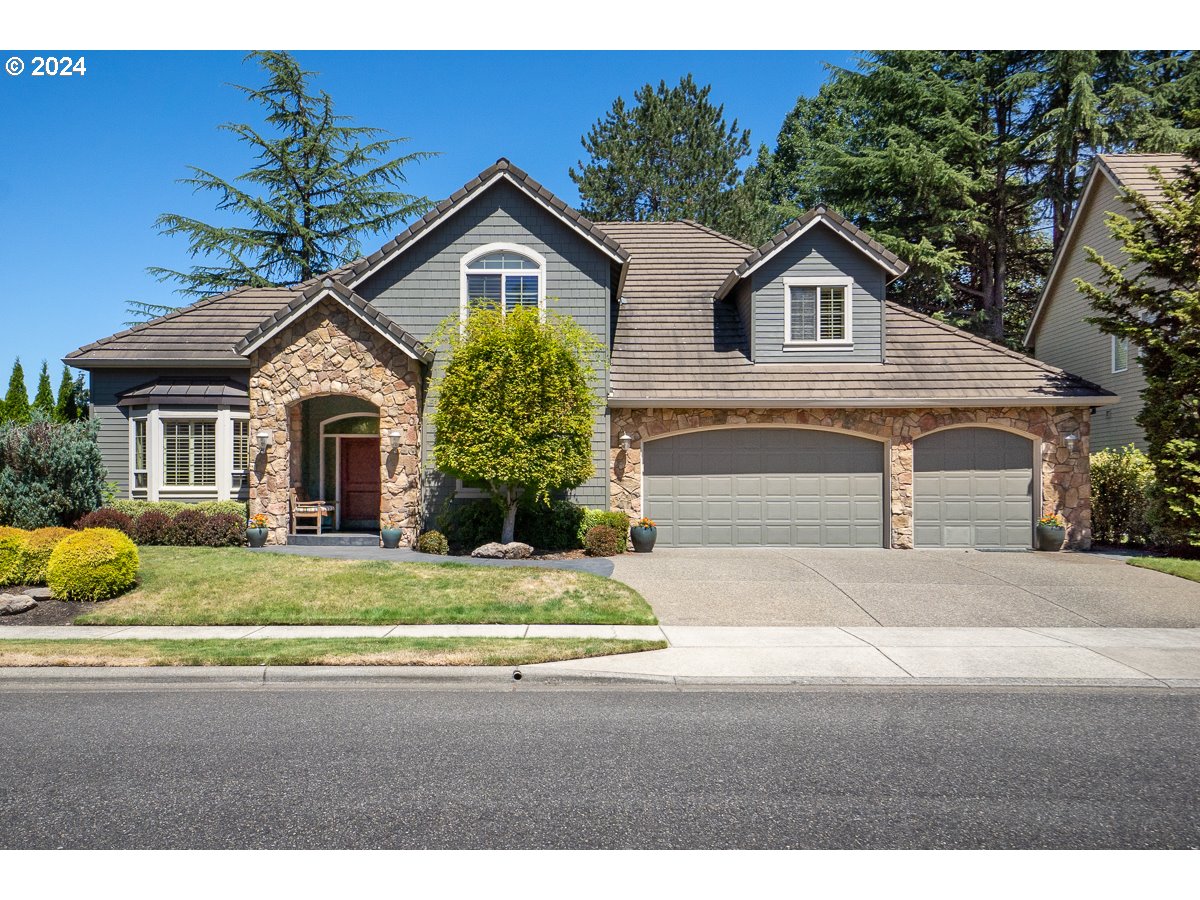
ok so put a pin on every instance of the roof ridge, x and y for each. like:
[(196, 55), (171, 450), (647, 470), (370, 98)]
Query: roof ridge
[(984, 342), (203, 301)]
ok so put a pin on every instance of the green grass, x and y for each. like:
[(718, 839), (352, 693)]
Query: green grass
[(313, 651), (204, 586), (1182, 568)]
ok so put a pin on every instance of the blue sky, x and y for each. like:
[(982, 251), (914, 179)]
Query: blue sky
[(87, 163)]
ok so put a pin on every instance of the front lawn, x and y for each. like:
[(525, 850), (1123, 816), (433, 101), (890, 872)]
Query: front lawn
[(203, 586), (313, 651), (1183, 568)]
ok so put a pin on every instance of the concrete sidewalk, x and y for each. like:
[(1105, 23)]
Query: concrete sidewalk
[(708, 654)]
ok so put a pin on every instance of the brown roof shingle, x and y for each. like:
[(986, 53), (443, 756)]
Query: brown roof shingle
[(1133, 170)]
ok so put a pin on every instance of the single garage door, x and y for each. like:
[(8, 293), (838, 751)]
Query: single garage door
[(973, 487), (753, 487)]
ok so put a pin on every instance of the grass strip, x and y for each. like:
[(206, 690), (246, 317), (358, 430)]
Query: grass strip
[(232, 586), (313, 651), (1181, 568)]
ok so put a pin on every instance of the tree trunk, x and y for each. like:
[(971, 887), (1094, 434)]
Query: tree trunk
[(510, 517)]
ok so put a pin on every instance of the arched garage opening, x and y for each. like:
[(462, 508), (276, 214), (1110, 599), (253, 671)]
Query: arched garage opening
[(973, 487), (764, 487)]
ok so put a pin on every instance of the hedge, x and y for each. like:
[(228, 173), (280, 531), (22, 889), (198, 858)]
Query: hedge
[(1122, 482), (617, 521), (602, 540), (95, 564), (12, 551), (134, 508)]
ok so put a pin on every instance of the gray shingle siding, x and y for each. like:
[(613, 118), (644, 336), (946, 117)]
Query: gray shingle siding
[(818, 253), (422, 288)]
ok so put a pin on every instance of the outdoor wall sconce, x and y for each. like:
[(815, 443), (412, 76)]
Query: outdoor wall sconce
[(264, 439), (394, 438), (625, 440), (1072, 440)]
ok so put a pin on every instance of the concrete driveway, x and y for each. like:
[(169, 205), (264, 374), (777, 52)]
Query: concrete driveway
[(906, 588)]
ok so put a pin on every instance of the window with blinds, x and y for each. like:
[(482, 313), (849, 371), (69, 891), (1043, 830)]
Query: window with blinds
[(816, 313), (1120, 353), (189, 453), (504, 278), (241, 445), (139, 453)]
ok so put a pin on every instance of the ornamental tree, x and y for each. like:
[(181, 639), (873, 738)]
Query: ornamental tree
[(16, 401), (1153, 300), (516, 404)]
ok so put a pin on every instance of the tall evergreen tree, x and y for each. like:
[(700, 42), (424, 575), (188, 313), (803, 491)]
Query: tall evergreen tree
[(1153, 300), (43, 398), (669, 155), (318, 186), (16, 401), (65, 407)]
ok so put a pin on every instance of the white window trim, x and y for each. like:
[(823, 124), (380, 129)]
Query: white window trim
[(1114, 339), (789, 283), (155, 416), (485, 250), (463, 492)]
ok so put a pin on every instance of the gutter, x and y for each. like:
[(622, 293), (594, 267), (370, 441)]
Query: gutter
[(855, 403)]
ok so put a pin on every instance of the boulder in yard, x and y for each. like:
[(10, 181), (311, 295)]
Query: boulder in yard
[(495, 550), (11, 604), (39, 594)]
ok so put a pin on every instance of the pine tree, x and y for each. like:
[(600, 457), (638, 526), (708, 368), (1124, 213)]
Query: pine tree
[(43, 400), (1153, 300), (318, 185), (16, 401), (65, 409), (669, 155)]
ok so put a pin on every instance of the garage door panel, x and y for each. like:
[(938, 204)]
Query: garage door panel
[(973, 487), (765, 486)]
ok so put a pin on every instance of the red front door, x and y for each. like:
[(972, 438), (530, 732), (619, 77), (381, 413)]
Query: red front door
[(359, 478)]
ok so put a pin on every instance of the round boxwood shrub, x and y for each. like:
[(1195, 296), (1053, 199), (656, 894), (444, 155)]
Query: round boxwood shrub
[(12, 552), (36, 552), (433, 542), (150, 527), (94, 564), (107, 517), (602, 540), (186, 529)]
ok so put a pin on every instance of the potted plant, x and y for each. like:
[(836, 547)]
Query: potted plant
[(256, 530), (1051, 532), (643, 533), (390, 538)]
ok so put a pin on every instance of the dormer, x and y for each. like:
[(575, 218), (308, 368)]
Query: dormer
[(815, 292)]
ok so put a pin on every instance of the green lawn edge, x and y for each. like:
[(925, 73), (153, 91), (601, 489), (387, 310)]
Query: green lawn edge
[(231, 586), (311, 651), (1180, 568)]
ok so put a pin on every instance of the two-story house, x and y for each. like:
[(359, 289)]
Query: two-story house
[(1057, 332), (766, 396)]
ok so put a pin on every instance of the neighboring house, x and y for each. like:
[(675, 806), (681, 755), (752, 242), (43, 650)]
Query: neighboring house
[(755, 397), (1057, 332)]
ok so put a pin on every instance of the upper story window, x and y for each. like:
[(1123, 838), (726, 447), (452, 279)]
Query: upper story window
[(818, 311), (504, 274), (1120, 353)]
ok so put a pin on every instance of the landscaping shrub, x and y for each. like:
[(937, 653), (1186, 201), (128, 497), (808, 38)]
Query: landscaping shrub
[(550, 526), (12, 551), (467, 525), (50, 473), (223, 529), (1122, 484), (134, 508), (107, 517), (433, 542), (35, 556), (94, 564), (151, 527), (187, 528), (602, 540), (617, 521)]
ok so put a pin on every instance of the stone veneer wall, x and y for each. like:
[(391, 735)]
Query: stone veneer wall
[(1066, 484), (327, 351)]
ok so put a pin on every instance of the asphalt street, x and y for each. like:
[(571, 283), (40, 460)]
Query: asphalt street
[(819, 767)]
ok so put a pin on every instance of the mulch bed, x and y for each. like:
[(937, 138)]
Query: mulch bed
[(47, 612)]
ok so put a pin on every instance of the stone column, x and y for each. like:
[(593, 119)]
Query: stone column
[(901, 466)]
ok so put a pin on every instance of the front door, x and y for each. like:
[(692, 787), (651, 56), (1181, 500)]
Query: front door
[(359, 480)]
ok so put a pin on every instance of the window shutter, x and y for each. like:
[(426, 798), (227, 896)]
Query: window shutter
[(803, 314)]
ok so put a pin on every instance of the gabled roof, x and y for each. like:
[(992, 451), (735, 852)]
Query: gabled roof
[(677, 345), (331, 288), (1128, 170), (358, 271), (820, 215)]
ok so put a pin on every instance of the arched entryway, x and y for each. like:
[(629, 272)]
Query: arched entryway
[(756, 487), (973, 487)]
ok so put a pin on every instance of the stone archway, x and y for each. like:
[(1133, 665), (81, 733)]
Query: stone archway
[(330, 351)]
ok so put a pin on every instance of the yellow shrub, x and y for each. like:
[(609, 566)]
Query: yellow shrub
[(12, 549), (93, 564), (36, 556)]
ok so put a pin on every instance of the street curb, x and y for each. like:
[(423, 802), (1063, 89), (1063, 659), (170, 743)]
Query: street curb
[(494, 677)]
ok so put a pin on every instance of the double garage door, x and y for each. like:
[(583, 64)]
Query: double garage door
[(752, 487)]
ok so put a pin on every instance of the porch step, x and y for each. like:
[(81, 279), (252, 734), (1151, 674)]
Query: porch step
[(333, 540)]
